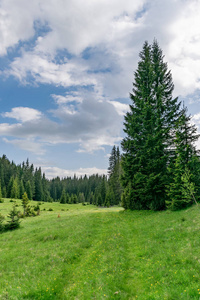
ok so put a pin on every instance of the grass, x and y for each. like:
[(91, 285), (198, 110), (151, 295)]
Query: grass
[(97, 253)]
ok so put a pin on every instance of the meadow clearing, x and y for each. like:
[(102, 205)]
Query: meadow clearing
[(86, 252)]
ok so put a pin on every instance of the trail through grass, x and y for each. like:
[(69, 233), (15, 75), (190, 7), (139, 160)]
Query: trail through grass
[(97, 253)]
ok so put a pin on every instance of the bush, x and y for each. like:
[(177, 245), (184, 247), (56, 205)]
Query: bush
[(1, 223), (1, 200), (50, 209)]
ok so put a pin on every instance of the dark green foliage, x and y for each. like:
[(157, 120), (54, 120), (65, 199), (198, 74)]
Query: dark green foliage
[(63, 198), (38, 185), (184, 172), (114, 171), (21, 189), (1, 200), (29, 190), (19, 179), (1, 223), (149, 128)]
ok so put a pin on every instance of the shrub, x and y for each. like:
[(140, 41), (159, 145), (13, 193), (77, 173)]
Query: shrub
[(1, 223), (14, 222)]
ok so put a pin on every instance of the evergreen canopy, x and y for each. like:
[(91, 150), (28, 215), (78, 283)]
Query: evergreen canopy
[(150, 127)]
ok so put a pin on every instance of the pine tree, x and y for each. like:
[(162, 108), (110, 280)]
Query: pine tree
[(63, 198), (15, 189), (21, 189), (1, 200), (149, 127), (25, 202), (114, 171), (185, 166), (38, 185), (28, 190), (13, 222)]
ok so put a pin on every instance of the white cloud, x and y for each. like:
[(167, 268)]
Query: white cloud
[(112, 32), (69, 97), (28, 145), (52, 172), (90, 123), (121, 108), (23, 114)]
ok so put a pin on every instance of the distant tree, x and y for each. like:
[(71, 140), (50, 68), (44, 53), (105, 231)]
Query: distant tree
[(15, 189), (21, 189), (28, 190), (1, 200), (39, 196), (81, 198), (63, 198), (114, 171), (25, 202)]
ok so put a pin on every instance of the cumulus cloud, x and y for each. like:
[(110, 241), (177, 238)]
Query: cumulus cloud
[(91, 123), (23, 114), (101, 39)]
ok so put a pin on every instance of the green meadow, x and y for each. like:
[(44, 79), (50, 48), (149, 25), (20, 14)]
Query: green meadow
[(85, 252)]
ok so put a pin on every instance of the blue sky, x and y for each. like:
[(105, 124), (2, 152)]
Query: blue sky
[(66, 70)]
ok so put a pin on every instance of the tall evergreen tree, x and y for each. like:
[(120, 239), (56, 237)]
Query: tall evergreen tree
[(186, 164), (149, 127), (114, 171), (28, 190), (15, 193), (63, 198), (38, 185)]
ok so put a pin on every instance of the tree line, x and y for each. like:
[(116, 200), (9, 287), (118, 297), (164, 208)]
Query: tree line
[(15, 180)]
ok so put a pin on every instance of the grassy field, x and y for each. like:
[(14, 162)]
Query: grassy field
[(96, 253)]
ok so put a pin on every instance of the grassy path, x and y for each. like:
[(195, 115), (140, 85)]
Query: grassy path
[(91, 253)]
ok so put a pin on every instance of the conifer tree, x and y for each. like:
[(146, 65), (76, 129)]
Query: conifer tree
[(184, 172), (38, 185), (25, 202), (21, 189), (114, 171), (15, 189), (1, 200), (149, 127), (63, 198)]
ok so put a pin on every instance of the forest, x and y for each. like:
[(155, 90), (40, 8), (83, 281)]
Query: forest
[(24, 178)]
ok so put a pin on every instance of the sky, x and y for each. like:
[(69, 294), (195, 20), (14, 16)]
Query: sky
[(66, 71)]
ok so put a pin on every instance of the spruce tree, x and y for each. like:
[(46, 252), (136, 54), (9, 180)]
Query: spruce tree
[(114, 171), (15, 193), (63, 198), (25, 202), (149, 127), (1, 200), (38, 185), (184, 172)]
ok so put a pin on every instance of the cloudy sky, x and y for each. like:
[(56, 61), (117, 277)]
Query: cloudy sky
[(66, 70)]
